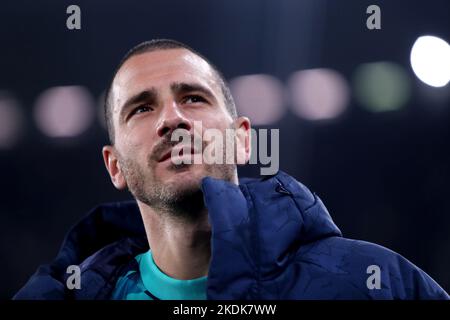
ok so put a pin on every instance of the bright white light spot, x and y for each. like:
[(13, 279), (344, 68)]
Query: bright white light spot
[(11, 121), (260, 97), (64, 111), (430, 60), (318, 94)]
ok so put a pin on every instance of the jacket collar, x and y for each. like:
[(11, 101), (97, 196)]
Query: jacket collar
[(253, 214)]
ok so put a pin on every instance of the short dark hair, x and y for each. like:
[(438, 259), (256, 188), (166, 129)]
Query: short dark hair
[(163, 44)]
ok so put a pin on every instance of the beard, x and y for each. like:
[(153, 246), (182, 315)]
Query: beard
[(180, 200)]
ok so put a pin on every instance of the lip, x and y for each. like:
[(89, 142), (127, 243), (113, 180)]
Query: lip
[(167, 155)]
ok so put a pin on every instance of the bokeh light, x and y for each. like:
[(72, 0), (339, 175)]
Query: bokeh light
[(62, 112), (318, 94), (259, 97), (430, 60), (381, 86)]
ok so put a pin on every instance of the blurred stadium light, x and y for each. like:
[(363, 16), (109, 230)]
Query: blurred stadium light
[(430, 60), (260, 97), (64, 111), (381, 86), (318, 94)]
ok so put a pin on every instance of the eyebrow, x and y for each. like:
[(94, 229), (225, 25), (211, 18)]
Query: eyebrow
[(183, 87), (150, 95)]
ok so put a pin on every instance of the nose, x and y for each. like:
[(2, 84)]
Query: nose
[(172, 118)]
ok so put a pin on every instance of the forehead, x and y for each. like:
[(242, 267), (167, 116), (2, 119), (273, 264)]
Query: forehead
[(158, 69)]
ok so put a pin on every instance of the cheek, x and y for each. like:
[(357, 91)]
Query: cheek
[(216, 122), (138, 134), (134, 148)]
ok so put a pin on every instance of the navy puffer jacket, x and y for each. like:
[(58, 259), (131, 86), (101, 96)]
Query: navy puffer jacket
[(271, 239)]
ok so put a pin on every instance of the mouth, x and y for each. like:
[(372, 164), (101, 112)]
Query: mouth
[(180, 152), (165, 156)]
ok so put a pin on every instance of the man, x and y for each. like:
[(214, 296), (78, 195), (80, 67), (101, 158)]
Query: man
[(196, 231)]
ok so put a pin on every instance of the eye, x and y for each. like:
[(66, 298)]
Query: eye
[(193, 99), (141, 109)]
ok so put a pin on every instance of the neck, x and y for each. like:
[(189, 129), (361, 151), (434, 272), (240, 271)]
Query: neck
[(180, 247)]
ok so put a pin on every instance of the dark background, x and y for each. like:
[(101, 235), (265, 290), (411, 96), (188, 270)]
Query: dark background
[(382, 175)]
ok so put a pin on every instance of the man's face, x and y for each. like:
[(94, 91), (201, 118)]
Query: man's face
[(153, 94)]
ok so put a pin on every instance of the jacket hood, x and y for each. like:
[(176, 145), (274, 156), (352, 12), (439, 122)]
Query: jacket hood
[(269, 202), (261, 224), (276, 210)]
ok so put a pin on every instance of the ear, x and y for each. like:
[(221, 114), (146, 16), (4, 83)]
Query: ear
[(243, 140), (113, 166)]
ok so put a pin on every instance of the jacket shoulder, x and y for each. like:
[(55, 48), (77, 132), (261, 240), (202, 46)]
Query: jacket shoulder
[(104, 227), (360, 264)]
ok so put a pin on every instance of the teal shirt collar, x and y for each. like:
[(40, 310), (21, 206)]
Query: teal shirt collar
[(168, 288)]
